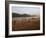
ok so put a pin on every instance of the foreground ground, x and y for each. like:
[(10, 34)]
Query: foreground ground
[(24, 24)]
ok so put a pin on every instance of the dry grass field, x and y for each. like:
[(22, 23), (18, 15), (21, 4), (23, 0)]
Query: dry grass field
[(25, 24)]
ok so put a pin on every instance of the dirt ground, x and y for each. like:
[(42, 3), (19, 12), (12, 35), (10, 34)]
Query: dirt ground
[(31, 24)]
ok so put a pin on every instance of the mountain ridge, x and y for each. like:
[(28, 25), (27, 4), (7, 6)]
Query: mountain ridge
[(20, 15)]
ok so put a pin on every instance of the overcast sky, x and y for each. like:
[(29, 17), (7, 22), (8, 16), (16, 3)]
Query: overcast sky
[(26, 10)]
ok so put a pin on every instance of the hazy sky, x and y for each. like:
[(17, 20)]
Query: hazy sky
[(26, 10)]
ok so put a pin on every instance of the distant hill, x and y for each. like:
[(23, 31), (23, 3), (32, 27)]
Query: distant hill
[(20, 15)]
